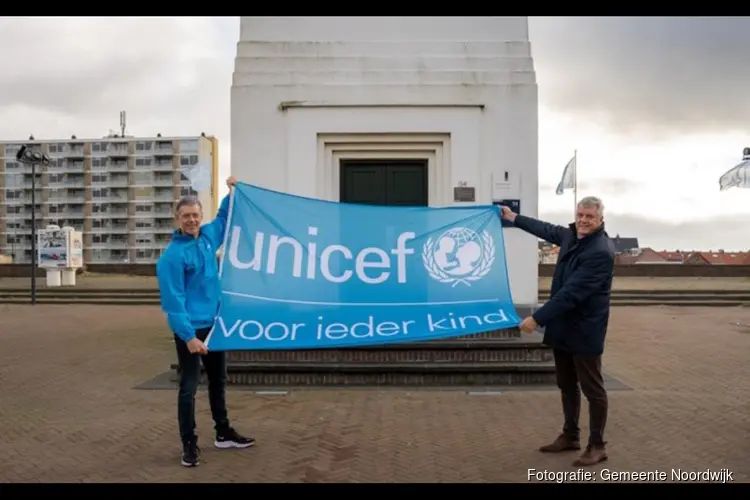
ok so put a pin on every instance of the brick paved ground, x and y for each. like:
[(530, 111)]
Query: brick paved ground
[(69, 410)]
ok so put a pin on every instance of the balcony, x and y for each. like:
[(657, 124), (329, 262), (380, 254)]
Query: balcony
[(119, 226), (118, 151), (104, 256), (66, 184), (117, 166), (110, 213), (67, 222), (71, 214), (75, 151), (117, 181), (163, 229), (26, 215), (79, 198), (110, 243), (163, 180), (163, 148), (163, 198), (112, 198), (27, 170), (73, 166), (163, 166)]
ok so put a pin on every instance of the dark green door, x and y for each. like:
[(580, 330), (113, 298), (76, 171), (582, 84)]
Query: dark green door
[(384, 182)]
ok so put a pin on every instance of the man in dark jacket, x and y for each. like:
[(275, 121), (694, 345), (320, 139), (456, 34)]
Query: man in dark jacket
[(575, 320)]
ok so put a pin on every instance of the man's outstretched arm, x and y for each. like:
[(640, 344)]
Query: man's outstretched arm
[(216, 229), (549, 232)]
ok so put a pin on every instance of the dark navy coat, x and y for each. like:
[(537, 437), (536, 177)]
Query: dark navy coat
[(577, 313)]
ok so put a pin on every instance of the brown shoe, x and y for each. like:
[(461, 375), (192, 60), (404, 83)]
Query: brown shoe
[(562, 443), (591, 456)]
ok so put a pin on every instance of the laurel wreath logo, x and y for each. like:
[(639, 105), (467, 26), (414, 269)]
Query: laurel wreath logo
[(485, 263)]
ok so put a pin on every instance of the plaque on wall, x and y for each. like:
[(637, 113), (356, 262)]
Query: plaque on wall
[(464, 194)]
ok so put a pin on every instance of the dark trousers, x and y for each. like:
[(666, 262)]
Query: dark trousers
[(586, 371), (215, 364)]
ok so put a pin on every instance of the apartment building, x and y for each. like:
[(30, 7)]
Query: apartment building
[(119, 191)]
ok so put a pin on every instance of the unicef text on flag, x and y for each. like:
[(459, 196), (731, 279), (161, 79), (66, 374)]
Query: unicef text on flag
[(299, 273)]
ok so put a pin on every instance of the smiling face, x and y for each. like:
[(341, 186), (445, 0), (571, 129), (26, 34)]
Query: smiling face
[(189, 216), (589, 216)]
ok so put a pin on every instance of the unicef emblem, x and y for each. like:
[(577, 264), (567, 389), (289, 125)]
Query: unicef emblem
[(459, 255)]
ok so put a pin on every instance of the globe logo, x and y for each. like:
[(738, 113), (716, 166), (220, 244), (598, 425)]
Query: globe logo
[(459, 255)]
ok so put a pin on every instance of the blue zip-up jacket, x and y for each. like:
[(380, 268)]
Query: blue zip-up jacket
[(188, 276)]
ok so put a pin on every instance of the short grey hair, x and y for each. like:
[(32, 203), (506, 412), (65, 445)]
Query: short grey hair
[(592, 201), (187, 201)]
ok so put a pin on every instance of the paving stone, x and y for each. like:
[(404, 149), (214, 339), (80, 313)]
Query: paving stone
[(71, 411)]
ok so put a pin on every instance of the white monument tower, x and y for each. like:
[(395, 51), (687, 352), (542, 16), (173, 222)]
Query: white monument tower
[(443, 107)]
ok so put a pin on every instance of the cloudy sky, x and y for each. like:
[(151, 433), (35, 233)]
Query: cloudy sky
[(656, 107)]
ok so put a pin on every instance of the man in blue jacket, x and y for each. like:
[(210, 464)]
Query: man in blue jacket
[(188, 277), (575, 320)]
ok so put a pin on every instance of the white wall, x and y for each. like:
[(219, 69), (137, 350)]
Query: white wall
[(470, 77)]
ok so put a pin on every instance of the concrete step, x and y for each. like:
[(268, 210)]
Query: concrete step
[(383, 78), (384, 49), (669, 295), (477, 351), (79, 301), (391, 374), (79, 290), (718, 302), (297, 63), (83, 295)]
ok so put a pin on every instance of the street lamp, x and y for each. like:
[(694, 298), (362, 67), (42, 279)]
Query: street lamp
[(33, 158)]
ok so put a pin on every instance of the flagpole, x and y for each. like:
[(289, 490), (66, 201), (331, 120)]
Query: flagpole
[(575, 184)]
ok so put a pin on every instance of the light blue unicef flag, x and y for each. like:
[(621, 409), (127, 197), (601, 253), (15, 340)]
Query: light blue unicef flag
[(299, 273)]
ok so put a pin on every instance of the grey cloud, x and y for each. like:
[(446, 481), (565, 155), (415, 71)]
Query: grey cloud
[(172, 76), (601, 188), (646, 76), (697, 234)]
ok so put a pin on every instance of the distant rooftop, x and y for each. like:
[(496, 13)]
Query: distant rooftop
[(624, 244), (73, 138)]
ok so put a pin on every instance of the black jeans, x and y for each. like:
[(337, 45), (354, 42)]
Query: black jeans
[(573, 370), (215, 364)]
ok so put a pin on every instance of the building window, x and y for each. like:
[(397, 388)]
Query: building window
[(143, 192), (188, 146), (13, 180)]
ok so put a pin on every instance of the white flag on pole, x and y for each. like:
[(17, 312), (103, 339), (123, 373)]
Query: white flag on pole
[(199, 176), (737, 176), (568, 180)]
